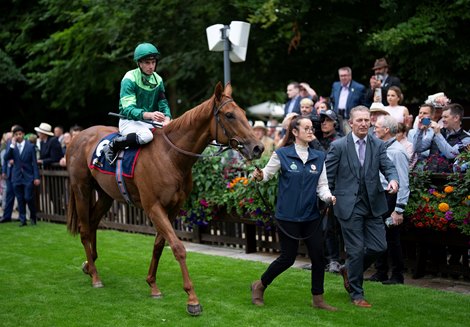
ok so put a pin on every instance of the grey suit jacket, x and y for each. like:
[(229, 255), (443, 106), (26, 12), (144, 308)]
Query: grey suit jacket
[(343, 170)]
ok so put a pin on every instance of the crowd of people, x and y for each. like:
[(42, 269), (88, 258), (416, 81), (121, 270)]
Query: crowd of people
[(367, 143), (21, 156)]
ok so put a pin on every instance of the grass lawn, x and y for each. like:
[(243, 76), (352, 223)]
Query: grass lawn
[(41, 284)]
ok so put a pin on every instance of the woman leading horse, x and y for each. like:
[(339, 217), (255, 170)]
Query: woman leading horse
[(162, 179)]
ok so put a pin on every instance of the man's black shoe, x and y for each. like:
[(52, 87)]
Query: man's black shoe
[(392, 281), (377, 277), (23, 224), (5, 220)]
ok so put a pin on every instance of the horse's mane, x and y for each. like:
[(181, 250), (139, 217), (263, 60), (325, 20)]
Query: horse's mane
[(190, 116)]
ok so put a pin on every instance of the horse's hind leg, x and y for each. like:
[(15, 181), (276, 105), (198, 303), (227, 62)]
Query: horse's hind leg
[(156, 254), (88, 229), (160, 220)]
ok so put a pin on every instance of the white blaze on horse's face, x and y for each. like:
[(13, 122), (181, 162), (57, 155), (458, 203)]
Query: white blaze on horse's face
[(100, 147)]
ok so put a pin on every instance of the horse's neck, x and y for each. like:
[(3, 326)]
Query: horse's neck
[(191, 133)]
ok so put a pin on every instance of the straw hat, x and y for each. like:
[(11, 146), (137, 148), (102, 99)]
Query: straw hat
[(259, 124), (45, 129), (378, 107)]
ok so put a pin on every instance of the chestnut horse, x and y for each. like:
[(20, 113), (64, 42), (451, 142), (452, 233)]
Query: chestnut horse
[(162, 179)]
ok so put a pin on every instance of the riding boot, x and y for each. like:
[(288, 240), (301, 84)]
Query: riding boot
[(117, 144), (319, 303), (257, 293)]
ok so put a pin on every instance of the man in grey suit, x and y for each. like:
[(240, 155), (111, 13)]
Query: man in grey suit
[(353, 164)]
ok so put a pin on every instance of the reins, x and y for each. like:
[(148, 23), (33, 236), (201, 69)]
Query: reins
[(233, 143)]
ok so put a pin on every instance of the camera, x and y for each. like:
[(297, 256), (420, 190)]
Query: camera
[(426, 121), (379, 77), (316, 124)]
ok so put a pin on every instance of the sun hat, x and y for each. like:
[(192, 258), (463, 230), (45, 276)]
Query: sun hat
[(378, 107), (44, 128), (259, 124)]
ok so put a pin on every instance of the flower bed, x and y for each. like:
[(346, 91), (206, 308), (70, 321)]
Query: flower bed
[(221, 185), (440, 201)]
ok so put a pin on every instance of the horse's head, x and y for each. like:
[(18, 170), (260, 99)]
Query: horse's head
[(231, 126)]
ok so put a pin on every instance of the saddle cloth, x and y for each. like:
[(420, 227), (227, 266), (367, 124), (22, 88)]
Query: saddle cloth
[(129, 160)]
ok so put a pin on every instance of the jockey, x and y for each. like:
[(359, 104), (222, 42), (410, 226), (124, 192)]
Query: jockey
[(142, 96)]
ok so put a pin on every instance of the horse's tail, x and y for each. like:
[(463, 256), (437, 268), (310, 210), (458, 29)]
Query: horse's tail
[(72, 217)]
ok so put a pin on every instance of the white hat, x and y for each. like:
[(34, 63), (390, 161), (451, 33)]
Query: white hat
[(438, 100), (259, 124), (45, 129), (378, 107)]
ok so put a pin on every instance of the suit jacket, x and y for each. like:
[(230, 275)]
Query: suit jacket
[(355, 96), (343, 170), (50, 151), (296, 108), (25, 167), (389, 81)]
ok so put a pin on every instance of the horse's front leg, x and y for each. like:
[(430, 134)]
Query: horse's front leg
[(160, 220), (151, 277)]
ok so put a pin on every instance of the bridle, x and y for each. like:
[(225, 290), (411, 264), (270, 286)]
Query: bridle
[(234, 143)]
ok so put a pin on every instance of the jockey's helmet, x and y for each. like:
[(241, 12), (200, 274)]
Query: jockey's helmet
[(146, 51)]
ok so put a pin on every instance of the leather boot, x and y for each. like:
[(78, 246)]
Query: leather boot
[(319, 303), (257, 293), (117, 144)]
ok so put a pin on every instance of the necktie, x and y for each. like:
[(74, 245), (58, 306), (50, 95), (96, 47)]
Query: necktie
[(362, 150)]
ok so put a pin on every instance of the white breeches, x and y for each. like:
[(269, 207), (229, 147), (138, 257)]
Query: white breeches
[(140, 128)]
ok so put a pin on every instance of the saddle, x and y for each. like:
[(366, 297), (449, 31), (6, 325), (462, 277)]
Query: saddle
[(124, 167)]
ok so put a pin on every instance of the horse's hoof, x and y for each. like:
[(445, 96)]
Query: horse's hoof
[(98, 285), (157, 296), (85, 268), (194, 309)]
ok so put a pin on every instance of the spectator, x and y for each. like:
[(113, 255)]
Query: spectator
[(377, 109), (345, 95), (333, 239), (323, 104), (425, 111), (305, 91), (400, 113), (401, 137), (447, 142), (25, 173), (75, 129), (272, 126), (59, 133), (306, 110), (65, 143), (293, 103), (438, 101), (353, 164), (9, 192), (260, 131), (50, 150), (380, 82), (302, 170), (385, 129)]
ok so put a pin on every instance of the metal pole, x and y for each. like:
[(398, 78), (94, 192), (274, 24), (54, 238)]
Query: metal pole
[(226, 54)]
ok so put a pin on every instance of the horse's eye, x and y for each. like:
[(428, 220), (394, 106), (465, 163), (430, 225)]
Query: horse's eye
[(229, 115)]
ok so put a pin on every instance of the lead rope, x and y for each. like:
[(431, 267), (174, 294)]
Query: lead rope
[(271, 214)]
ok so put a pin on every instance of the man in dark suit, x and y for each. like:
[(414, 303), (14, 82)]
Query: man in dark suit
[(293, 104), (25, 173), (353, 164), (380, 82), (345, 95), (50, 149)]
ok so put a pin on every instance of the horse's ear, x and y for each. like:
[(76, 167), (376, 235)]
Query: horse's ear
[(219, 90), (228, 89)]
